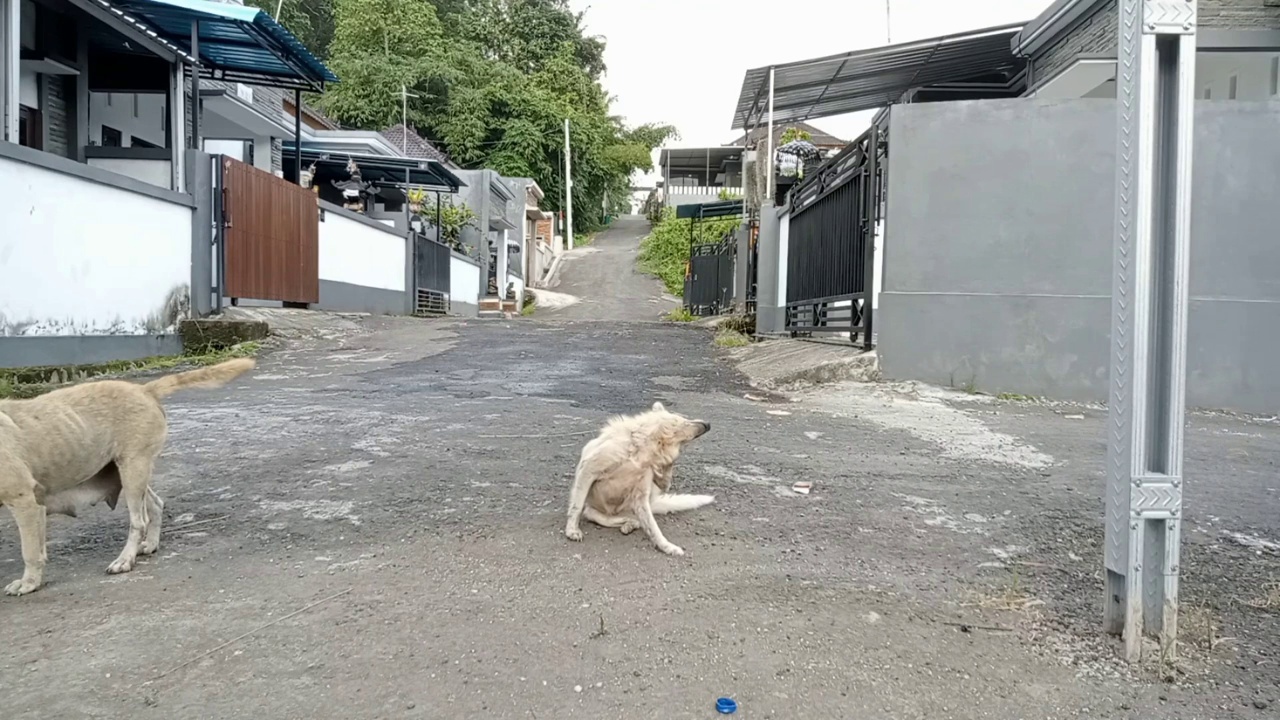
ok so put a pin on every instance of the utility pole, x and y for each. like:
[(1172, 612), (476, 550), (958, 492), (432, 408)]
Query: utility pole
[(568, 190)]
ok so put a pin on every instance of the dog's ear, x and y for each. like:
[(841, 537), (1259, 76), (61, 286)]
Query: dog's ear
[(657, 407)]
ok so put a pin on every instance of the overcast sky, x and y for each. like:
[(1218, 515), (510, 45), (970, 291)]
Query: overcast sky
[(682, 61)]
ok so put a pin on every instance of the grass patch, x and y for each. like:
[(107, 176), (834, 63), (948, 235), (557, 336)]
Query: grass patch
[(21, 383), (680, 314), (529, 305), (731, 339), (1015, 397), (664, 252), (745, 324)]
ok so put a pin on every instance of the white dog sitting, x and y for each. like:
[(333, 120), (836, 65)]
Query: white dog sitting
[(624, 475)]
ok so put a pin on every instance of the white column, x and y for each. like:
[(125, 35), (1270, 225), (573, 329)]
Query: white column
[(262, 153), (769, 164), (178, 124), (10, 44)]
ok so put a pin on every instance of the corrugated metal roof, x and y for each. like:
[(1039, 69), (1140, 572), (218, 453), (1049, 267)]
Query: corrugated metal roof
[(377, 168), (237, 42), (868, 79)]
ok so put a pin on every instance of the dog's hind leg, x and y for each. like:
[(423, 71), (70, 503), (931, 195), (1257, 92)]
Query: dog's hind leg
[(155, 515), (577, 501), (135, 477), (625, 524), (644, 513), (30, 517)]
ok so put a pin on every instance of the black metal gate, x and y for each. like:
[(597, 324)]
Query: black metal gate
[(831, 243), (708, 286), (431, 270)]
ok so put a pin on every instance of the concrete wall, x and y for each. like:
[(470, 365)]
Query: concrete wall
[(362, 264), (998, 256), (1097, 32), (464, 286), (770, 316)]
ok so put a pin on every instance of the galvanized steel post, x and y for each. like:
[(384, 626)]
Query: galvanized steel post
[(1154, 101)]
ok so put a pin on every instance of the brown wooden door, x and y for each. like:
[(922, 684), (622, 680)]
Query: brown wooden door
[(272, 236)]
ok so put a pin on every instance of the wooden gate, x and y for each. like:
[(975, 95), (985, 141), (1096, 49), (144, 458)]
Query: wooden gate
[(271, 237)]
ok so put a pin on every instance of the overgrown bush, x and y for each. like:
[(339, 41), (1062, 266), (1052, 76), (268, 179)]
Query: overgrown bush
[(665, 251)]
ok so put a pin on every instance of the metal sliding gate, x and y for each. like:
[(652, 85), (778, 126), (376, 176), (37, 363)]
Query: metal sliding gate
[(431, 273), (831, 245), (708, 278)]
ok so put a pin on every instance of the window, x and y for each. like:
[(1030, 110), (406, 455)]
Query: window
[(1275, 76), (1231, 87), (30, 133), (111, 137)]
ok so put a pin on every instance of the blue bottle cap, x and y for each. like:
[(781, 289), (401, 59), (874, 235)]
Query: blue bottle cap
[(726, 706)]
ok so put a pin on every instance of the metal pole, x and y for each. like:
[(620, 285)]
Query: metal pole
[(870, 201), (568, 189), (297, 136), (768, 183), (195, 87), (706, 167), (10, 45), (1155, 101), (439, 227)]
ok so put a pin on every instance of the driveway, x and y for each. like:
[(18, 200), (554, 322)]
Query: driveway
[(369, 526), (604, 278)]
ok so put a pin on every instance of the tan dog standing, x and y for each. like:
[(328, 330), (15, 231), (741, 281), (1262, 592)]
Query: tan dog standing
[(75, 447), (624, 475)]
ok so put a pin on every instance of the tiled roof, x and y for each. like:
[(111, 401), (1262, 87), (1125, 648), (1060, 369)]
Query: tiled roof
[(413, 144)]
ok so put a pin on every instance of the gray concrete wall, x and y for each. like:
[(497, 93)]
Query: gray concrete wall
[(1097, 32), (39, 351), (998, 255), (349, 297)]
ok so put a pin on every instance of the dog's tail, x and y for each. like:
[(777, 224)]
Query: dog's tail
[(667, 504), (210, 377)]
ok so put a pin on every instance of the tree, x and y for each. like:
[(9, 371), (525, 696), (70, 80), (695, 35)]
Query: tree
[(493, 82)]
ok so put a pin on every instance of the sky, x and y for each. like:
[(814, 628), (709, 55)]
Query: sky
[(681, 61)]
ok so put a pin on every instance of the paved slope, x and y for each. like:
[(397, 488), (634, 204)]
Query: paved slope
[(605, 279)]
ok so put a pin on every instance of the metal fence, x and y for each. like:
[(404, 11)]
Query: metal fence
[(431, 262), (708, 286), (831, 246)]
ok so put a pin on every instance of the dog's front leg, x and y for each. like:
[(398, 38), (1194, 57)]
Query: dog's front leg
[(30, 517), (577, 501), (644, 513)]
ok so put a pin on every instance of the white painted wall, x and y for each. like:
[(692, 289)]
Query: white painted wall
[(1252, 71), (144, 118), (103, 265), (154, 172), (784, 238), (464, 281), (352, 252)]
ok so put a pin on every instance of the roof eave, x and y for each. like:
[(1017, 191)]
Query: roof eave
[(1048, 25)]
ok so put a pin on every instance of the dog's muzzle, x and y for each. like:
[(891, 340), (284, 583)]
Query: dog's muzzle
[(706, 428)]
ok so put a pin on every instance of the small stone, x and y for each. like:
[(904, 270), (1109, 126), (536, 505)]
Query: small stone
[(1260, 704), (577, 688)]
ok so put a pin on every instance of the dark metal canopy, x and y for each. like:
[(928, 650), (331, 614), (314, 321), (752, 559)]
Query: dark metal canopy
[(685, 159), (710, 211), (869, 79), (236, 43), (429, 174)]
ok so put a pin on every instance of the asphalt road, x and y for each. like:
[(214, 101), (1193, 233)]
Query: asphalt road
[(369, 526), (604, 277)]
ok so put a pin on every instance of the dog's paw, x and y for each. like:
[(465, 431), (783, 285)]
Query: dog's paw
[(147, 548), (629, 527), (574, 534), (121, 565), (21, 587), (672, 550)]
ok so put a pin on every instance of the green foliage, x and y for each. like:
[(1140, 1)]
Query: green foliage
[(665, 251), (731, 339), (724, 194), (492, 82), (453, 219), (310, 20), (794, 133), (680, 314)]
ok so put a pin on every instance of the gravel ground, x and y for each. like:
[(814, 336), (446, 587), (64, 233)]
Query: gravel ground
[(368, 526)]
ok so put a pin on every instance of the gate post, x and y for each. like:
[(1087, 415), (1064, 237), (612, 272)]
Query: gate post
[(1155, 102), (870, 207), (199, 185)]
